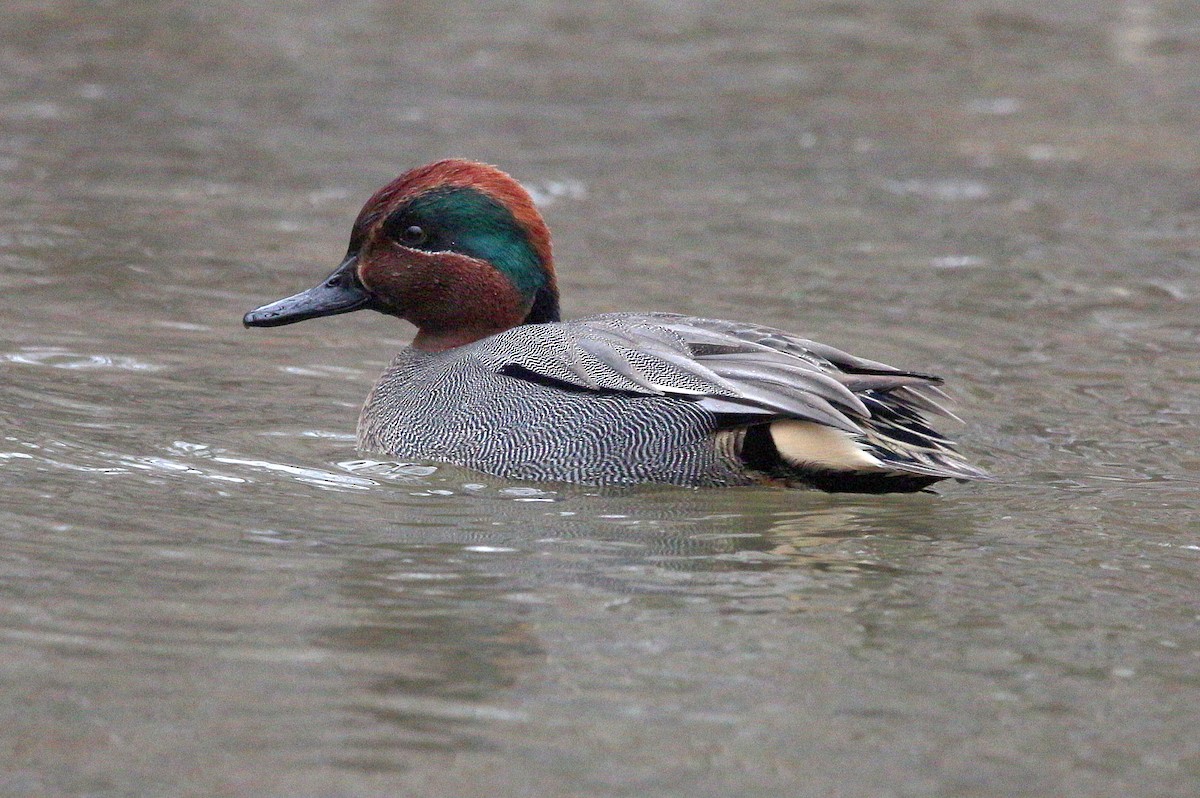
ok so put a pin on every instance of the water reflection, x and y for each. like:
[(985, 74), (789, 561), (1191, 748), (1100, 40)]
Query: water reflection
[(432, 642), (449, 622)]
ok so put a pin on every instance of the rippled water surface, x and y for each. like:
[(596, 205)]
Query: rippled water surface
[(207, 591)]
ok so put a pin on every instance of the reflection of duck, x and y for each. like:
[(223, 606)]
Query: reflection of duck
[(495, 382)]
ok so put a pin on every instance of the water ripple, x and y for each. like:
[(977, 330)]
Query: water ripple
[(313, 476), (63, 359)]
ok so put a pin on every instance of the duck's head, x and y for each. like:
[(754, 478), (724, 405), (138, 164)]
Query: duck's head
[(456, 247)]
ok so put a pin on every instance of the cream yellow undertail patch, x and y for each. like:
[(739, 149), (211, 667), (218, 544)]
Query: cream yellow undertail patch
[(805, 443)]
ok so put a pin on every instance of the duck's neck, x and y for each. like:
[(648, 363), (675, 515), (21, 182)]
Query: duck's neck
[(438, 337), (440, 341), (545, 305)]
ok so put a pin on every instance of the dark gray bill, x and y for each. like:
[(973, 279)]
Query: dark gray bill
[(341, 292)]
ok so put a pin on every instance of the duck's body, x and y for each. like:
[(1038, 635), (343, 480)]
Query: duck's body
[(496, 383), (630, 398)]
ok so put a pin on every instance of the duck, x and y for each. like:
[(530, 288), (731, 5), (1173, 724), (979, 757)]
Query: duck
[(497, 382)]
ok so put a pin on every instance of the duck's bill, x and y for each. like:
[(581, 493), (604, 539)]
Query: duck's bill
[(340, 292)]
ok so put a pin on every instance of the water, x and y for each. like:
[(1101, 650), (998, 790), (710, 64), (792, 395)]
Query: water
[(207, 591)]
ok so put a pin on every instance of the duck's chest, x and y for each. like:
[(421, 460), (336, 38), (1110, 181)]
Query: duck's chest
[(462, 412)]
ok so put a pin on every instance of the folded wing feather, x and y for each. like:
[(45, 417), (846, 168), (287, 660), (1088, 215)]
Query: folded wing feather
[(733, 369)]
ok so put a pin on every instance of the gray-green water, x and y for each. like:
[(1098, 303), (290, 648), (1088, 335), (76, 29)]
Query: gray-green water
[(207, 592)]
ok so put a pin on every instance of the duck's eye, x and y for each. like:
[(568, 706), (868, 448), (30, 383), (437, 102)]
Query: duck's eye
[(413, 236)]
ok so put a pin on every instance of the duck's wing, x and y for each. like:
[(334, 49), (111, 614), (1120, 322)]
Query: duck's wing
[(739, 372), (856, 374)]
